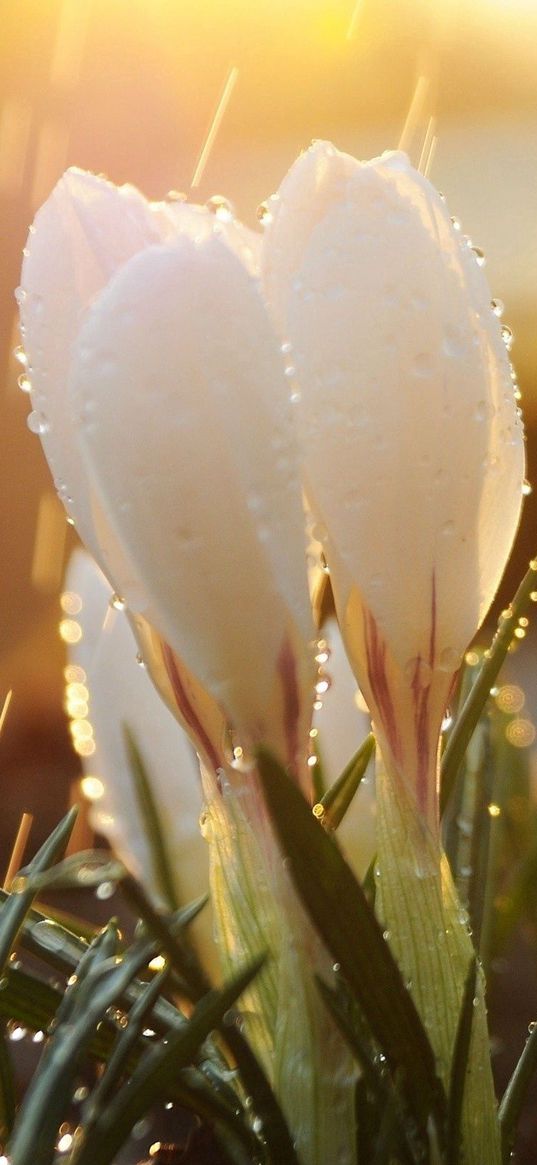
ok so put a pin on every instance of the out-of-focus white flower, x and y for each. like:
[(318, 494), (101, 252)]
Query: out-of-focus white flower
[(412, 445), (120, 694), (164, 411)]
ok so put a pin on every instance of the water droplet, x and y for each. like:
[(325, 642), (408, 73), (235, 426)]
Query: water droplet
[(15, 1031), (290, 371), (286, 348), (105, 890), (418, 672), (497, 307), (479, 256), (117, 602), (449, 659), (507, 336), (336, 967), (80, 1094), (49, 934), (323, 684), (295, 397), (20, 355), (264, 213), (527, 488), (140, 659), (37, 423), (386, 934), (221, 207), (455, 222), (24, 382), (20, 295)]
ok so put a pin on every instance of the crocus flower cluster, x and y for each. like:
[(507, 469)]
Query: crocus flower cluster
[(194, 383)]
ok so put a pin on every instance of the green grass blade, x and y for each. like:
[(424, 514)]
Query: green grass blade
[(7, 1087), (338, 798), (355, 1040), (350, 930), (124, 1046), (515, 1094), (468, 717), (162, 867), (185, 961), (19, 901), (81, 871), (459, 1069), (274, 1128), (170, 940), (41, 1113), (155, 1073)]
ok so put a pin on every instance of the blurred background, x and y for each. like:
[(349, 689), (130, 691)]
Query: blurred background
[(132, 88)]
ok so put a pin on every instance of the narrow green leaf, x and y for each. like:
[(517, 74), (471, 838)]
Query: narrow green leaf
[(459, 1069), (515, 1094), (468, 717), (41, 1113), (155, 1073), (339, 796), (125, 1044), (274, 1128), (17, 904), (350, 930), (7, 1087), (171, 941), (28, 1000), (186, 962), (162, 866), (355, 1041), (390, 1144), (80, 871)]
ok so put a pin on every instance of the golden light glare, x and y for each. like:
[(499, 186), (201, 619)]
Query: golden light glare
[(92, 788), (81, 729), (510, 698), (70, 631), (71, 603), (520, 733), (84, 747)]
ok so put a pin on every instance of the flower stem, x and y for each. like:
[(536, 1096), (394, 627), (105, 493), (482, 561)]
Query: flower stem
[(256, 909), (429, 934)]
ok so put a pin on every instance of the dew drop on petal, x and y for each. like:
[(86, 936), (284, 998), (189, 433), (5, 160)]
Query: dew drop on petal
[(221, 207), (264, 214)]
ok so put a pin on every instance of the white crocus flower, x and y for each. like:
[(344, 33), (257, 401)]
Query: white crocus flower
[(412, 444), (177, 460), (413, 461), (165, 414)]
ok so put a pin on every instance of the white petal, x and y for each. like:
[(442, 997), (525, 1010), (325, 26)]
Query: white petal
[(84, 232), (183, 409), (413, 447), (313, 184)]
